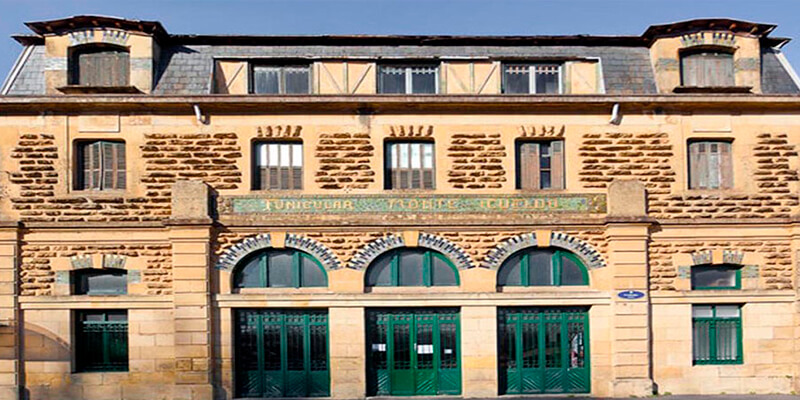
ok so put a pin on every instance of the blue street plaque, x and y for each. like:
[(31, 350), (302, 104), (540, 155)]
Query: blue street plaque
[(630, 294)]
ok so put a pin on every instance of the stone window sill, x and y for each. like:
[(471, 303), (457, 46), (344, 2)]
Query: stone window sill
[(97, 194)]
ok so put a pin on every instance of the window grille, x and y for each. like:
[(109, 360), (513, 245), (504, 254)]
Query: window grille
[(717, 334), (101, 341)]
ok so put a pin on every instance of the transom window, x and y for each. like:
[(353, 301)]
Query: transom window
[(100, 165), (532, 78), (99, 66), (409, 165), (542, 267), (278, 166), (110, 281), (540, 165), (710, 165), (281, 79), (101, 341), (279, 268), (707, 69), (408, 79), (412, 267), (717, 334), (709, 277)]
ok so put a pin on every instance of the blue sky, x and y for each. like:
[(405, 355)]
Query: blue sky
[(465, 17)]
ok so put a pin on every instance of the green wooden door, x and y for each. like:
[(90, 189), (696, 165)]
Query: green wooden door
[(413, 352), (282, 353), (543, 350)]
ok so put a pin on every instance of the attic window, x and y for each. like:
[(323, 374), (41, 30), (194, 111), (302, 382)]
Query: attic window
[(707, 68), (99, 66)]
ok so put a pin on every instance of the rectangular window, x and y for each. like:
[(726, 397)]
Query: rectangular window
[(540, 165), (409, 165), (408, 79), (532, 78), (281, 79), (707, 69), (101, 341), (717, 334), (710, 165), (99, 66), (278, 166), (100, 165), (711, 277)]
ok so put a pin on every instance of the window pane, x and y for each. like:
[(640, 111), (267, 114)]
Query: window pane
[(273, 156), (380, 271), (249, 275), (266, 80), (423, 80), (410, 268), (416, 155), (701, 331), (510, 273), (312, 274), (427, 155), (728, 311), (547, 79), (297, 155), (280, 268), (296, 80), (727, 333), (541, 268), (443, 274), (392, 80), (101, 282), (702, 312), (516, 79), (713, 276), (571, 272), (402, 149)]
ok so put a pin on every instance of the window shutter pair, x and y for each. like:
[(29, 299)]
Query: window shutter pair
[(105, 68), (541, 165), (103, 165), (710, 165), (707, 70)]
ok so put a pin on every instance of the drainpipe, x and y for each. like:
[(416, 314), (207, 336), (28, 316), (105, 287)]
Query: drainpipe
[(616, 117), (198, 114)]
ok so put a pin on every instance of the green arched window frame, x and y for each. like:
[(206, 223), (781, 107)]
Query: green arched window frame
[(261, 270), (391, 263), (523, 259)]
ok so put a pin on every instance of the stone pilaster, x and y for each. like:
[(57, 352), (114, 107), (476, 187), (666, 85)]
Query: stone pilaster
[(628, 235), (9, 312), (479, 351), (190, 235), (347, 339)]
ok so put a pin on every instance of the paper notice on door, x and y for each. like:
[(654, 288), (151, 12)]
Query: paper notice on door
[(448, 351), (425, 349), (379, 347)]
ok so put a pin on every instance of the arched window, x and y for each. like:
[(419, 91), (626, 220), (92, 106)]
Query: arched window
[(542, 267), (412, 267), (99, 65), (284, 268), (108, 281)]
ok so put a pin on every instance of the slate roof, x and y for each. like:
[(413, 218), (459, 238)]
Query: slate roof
[(774, 77)]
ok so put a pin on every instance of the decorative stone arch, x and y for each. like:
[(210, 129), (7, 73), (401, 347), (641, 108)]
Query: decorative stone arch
[(228, 260), (586, 252), (364, 257)]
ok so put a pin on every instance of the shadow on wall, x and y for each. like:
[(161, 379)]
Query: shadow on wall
[(42, 345)]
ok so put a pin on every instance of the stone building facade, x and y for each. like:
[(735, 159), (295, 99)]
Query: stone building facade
[(211, 217)]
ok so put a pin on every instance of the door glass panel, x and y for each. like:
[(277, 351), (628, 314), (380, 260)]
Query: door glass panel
[(541, 269), (401, 346), (448, 345), (530, 345), (410, 268), (378, 348), (319, 347), (424, 345), (443, 273), (571, 273), (272, 347), (508, 357), (294, 347), (576, 345), (312, 274), (249, 275), (280, 268), (552, 340)]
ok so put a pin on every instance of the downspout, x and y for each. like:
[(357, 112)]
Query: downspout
[(198, 114), (15, 70), (616, 117)]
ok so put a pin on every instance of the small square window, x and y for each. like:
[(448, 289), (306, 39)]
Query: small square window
[(532, 78), (100, 281), (710, 165), (100, 165), (281, 79), (409, 165), (408, 79), (717, 334), (278, 166), (101, 341)]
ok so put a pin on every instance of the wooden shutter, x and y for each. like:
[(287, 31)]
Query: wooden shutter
[(557, 165), (725, 165), (528, 167), (113, 154), (106, 67), (91, 166)]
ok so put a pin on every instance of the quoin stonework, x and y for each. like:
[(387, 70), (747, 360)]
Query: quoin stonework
[(197, 217)]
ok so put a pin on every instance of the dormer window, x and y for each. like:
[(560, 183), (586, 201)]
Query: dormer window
[(707, 68), (99, 66), (532, 78)]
